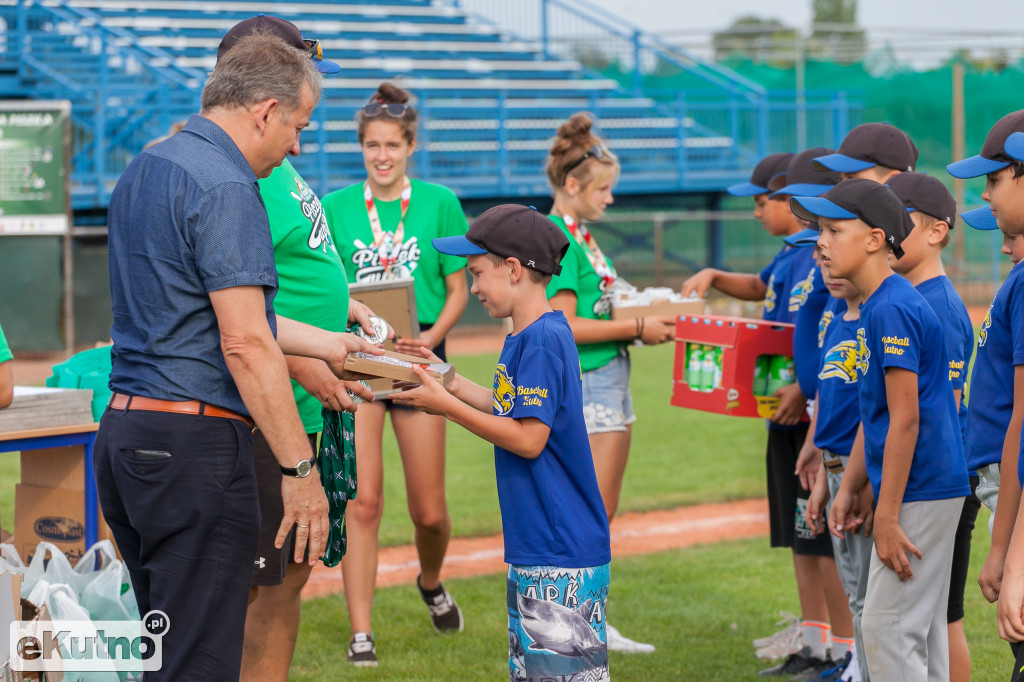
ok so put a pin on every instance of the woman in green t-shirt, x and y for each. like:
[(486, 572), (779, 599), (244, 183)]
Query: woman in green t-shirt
[(6, 373), (582, 171), (383, 229)]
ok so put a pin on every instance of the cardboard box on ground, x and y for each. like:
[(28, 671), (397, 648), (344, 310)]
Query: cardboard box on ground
[(49, 503), (13, 607)]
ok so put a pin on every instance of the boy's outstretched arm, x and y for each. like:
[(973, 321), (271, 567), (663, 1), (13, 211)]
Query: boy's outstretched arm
[(891, 543), (746, 287), (991, 576), (524, 437)]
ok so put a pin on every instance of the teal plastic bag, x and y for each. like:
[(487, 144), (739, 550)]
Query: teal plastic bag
[(88, 369)]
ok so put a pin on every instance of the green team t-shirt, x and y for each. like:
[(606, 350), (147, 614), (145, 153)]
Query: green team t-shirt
[(592, 302), (5, 350), (434, 211), (312, 286)]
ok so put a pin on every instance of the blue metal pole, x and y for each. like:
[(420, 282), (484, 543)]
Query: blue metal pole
[(842, 116), (681, 158), (763, 139), (321, 154), (425, 168), (504, 167), (100, 124), (544, 29), (638, 83)]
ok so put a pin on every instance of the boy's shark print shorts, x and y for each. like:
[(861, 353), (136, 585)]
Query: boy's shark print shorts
[(556, 625)]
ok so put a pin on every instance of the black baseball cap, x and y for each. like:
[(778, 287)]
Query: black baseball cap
[(283, 29), (869, 145), (766, 170), (803, 180), (511, 231), (993, 156), (925, 193), (877, 205)]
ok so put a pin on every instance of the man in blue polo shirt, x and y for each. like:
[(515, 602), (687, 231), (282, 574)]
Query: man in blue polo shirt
[(195, 360)]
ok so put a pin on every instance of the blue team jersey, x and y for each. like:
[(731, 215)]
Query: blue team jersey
[(807, 298), (776, 277), (837, 408), (899, 329), (551, 508), (1000, 348), (958, 332)]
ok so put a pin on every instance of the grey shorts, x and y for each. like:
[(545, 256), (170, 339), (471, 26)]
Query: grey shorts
[(607, 402)]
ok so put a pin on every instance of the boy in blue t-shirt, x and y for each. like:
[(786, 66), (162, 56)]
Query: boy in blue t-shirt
[(912, 452), (553, 519), (933, 211), (836, 418), (994, 418)]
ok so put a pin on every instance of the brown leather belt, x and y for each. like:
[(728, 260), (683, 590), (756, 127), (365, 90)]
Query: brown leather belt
[(833, 463), (120, 401)]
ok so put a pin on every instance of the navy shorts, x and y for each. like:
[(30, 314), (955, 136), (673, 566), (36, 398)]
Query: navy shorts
[(787, 499), (962, 555)]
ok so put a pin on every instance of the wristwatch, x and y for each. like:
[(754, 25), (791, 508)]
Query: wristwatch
[(300, 470)]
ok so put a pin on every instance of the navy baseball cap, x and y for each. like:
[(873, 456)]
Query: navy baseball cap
[(925, 193), (805, 237), (869, 145), (803, 180), (766, 170), (993, 156), (877, 205), (511, 231), (285, 30)]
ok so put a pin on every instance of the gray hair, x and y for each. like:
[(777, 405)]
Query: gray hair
[(259, 67)]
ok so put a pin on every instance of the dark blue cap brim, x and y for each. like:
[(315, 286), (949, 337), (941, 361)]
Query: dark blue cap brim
[(803, 190), (1014, 146), (326, 66), (819, 207), (975, 167), (841, 163), (980, 219), (746, 189), (457, 246), (805, 237)]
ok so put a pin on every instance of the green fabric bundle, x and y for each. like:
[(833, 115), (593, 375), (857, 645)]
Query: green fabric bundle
[(338, 476)]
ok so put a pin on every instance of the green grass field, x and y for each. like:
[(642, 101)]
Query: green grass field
[(701, 606)]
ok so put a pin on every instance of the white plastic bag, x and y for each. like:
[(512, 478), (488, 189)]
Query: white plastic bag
[(55, 570), (105, 591), (63, 605), (10, 561)]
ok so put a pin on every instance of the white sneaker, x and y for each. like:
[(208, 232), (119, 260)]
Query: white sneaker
[(625, 645), (789, 620), (791, 643), (852, 672)]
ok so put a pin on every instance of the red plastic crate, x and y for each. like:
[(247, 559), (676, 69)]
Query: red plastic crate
[(742, 341)]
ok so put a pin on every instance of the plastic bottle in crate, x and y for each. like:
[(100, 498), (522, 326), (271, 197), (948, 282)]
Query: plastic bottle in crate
[(707, 370), (761, 368), (781, 372), (694, 358)]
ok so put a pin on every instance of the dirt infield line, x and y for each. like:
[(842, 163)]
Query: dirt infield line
[(632, 533)]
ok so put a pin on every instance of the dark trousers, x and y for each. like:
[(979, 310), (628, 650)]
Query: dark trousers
[(179, 494)]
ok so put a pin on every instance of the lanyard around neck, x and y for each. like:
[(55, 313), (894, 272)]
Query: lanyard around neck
[(388, 245), (597, 259)]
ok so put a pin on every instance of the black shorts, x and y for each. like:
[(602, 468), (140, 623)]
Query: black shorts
[(786, 499), (439, 351), (962, 555), (271, 562)]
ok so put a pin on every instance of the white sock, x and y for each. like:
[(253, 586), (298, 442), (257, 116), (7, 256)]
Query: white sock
[(816, 637), (840, 647)]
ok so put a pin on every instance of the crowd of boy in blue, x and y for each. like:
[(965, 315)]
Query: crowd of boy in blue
[(900, 450)]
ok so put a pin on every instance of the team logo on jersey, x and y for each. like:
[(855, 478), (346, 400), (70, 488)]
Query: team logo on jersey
[(367, 264), (504, 392), (769, 295), (823, 323), (983, 334), (798, 295), (319, 233), (841, 362), (863, 354)]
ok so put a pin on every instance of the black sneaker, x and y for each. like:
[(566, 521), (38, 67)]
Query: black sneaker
[(444, 612), (361, 650), (800, 663)]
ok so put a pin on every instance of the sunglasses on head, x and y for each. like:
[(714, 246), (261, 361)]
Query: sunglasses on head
[(394, 109), (595, 152), (314, 49)]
